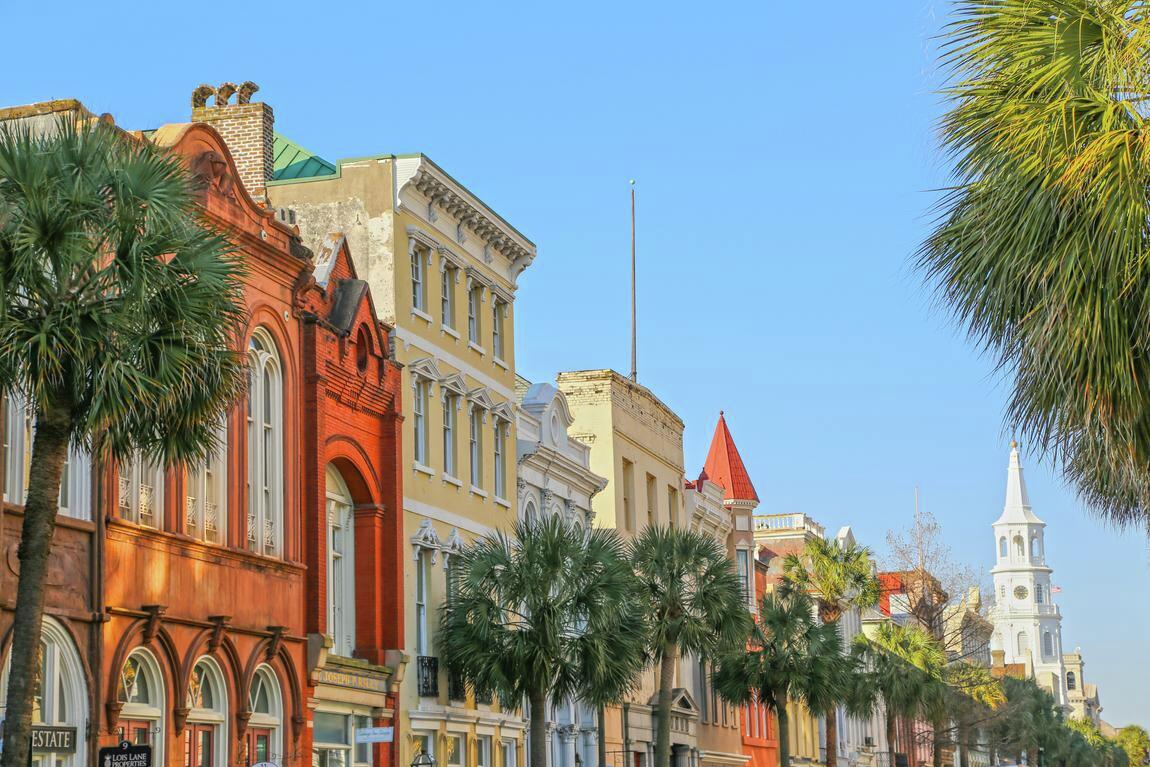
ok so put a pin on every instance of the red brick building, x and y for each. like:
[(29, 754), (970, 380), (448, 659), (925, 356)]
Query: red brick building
[(249, 609)]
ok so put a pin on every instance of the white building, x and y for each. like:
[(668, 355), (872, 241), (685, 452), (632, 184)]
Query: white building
[(1027, 623), (555, 479)]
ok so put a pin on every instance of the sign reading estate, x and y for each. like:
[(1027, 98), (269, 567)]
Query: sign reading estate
[(126, 755), (54, 740)]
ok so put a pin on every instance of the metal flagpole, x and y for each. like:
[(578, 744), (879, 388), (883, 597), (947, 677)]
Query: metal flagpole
[(634, 328)]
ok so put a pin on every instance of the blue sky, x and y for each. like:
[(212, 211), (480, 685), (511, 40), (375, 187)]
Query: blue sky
[(784, 154)]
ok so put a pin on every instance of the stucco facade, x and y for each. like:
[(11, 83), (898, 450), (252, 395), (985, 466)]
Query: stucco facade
[(443, 269)]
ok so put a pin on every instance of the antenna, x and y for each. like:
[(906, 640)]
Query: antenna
[(634, 328)]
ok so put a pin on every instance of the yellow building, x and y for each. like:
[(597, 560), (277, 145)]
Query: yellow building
[(443, 269), (637, 444)]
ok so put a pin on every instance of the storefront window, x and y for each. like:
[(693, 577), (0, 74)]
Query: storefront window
[(332, 740), (362, 750)]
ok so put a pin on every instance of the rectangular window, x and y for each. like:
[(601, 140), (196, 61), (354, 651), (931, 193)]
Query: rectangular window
[(449, 407), (476, 447), (419, 256), (672, 506), (508, 754), (742, 557), (458, 751), (419, 420), (363, 750), (422, 584), (474, 298), (500, 450), (628, 495), (652, 502), (331, 740), (497, 310), (75, 483), (205, 500), (483, 751), (141, 493), (447, 296)]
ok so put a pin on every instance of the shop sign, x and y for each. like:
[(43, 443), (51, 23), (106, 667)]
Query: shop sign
[(53, 740), (354, 680), (125, 755), (374, 734)]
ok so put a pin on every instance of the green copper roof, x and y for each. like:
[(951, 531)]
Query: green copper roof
[(293, 161)]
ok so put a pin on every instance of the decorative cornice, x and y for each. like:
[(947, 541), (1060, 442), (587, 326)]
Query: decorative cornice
[(444, 192)]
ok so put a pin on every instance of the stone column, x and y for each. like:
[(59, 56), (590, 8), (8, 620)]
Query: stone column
[(569, 733), (591, 747)]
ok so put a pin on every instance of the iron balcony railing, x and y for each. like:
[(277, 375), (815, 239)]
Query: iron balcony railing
[(456, 688), (428, 667)]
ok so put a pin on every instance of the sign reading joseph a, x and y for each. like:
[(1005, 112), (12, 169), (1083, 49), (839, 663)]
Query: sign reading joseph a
[(126, 755)]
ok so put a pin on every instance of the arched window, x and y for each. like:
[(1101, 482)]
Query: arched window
[(206, 500), (141, 694), (61, 699), (340, 565), (1047, 645), (1035, 548), (265, 727), (1002, 547), (1019, 547), (530, 515), (362, 349), (1071, 681), (265, 445), (1023, 643), (206, 733)]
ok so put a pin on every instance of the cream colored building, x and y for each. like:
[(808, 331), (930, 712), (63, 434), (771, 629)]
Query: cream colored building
[(1081, 696), (443, 269), (636, 443)]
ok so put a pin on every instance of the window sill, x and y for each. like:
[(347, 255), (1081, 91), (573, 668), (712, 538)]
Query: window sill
[(502, 502), (476, 348), (450, 331), (451, 480), (500, 363), (478, 491), (423, 469), (421, 315)]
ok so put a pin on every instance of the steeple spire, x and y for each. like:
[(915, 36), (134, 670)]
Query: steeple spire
[(1017, 506), (725, 466)]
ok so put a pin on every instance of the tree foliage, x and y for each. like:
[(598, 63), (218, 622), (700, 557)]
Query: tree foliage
[(1040, 247), (118, 320)]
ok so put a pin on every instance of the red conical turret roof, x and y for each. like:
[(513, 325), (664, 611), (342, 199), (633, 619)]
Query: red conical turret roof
[(725, 467)]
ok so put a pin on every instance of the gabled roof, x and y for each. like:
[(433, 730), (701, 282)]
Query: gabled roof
[(293, 161), (725, 467)]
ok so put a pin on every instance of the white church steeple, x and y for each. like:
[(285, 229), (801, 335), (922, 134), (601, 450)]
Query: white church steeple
[(1027, 623)]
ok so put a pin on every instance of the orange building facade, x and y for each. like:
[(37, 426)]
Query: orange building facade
[(247, 610)]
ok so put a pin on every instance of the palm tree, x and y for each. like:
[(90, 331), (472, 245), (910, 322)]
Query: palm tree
[(969, 694), (904, 669), (840, 577), (790, 656), (545, 615), (694, 604), (117, 320), (1041, 241)]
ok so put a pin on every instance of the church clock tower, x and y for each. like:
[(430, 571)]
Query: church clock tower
[(1027, 623)]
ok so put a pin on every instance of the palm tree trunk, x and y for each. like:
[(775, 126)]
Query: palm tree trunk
[(538, 725), (832, 736), (939, 726), (784, 734), (663, 719), (891, 736), (49, 452)]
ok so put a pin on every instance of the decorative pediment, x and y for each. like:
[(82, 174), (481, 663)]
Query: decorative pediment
[(426, 539), (453, 383), (680, 699), (481, 398), (453, 547), (426, 367), (504, 412)]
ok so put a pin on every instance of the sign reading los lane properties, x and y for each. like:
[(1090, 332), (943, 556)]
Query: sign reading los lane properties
[(126, 755)]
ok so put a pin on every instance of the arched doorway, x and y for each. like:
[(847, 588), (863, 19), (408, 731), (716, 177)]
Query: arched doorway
[(206, 732)]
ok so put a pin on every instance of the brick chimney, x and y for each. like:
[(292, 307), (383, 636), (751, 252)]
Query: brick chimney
[(246, 128)]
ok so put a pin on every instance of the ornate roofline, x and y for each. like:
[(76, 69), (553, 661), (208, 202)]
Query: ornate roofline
[(435, 184)]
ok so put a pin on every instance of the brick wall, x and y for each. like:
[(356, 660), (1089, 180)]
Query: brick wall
[(249, 132)]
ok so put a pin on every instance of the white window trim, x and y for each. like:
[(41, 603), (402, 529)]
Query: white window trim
[(155, 712), (139, 480), (206, 513), (217, 716), (273, 721), (420, 393), (265, 473), (476, 417), (340, 596), (451, 407)]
